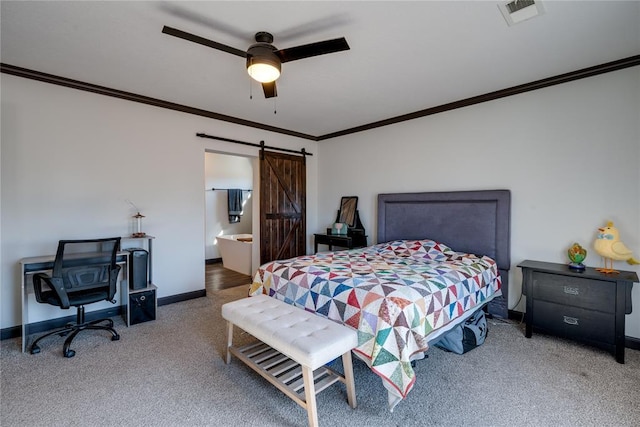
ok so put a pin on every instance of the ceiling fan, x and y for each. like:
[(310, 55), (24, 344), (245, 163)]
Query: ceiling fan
[(264, 60)]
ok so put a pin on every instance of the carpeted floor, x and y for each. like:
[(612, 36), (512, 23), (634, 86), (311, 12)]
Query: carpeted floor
[(171, 372)]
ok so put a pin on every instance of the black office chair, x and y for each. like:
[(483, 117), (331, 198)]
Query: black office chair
[(84, 272)]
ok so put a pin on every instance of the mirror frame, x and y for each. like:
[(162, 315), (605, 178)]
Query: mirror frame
[(348, 208)]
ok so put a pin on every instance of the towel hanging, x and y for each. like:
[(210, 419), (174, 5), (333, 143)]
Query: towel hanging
[(234, 199)]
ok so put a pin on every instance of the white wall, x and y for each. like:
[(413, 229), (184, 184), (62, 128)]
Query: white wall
[(226, 171), (570, 155), (70, 159)]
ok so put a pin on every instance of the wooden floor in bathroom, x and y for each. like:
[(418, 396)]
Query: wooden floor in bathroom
[(217, 277)]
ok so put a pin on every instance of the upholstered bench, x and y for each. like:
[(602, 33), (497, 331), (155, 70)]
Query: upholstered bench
[(293, 347)]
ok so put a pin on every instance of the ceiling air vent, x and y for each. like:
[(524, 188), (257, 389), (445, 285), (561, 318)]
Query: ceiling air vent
[(516, 11)]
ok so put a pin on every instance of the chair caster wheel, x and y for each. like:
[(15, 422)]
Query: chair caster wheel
[(35, 349), (115, 338), (69, 353)]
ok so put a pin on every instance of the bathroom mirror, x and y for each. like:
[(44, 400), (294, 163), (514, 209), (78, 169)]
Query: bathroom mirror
[(347, 213)]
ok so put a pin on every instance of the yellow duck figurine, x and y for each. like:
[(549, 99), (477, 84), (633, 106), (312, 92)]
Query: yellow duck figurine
[(610, 248)]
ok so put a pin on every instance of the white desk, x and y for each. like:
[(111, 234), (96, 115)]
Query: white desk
[(43, 264)]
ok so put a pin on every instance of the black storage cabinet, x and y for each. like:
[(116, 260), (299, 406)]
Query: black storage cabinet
[(142, 306), (586, 306)]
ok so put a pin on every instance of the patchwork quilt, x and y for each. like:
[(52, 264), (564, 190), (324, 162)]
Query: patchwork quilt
[(397, 295)]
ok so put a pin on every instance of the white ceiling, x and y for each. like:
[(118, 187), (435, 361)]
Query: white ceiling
[(404, 57)]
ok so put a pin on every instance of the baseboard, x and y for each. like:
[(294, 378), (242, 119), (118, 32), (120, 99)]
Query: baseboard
[(632, 342), (47, 325), (516, 315), (12, 332), (182, 297), (213, 261)]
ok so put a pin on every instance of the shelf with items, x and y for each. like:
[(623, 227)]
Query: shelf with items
[(139, 293)]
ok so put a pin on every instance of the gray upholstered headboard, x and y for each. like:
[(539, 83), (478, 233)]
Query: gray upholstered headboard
[(476, 222)]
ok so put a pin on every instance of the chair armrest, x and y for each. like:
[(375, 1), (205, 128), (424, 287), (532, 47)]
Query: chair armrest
[(56, 285), (113, 282)]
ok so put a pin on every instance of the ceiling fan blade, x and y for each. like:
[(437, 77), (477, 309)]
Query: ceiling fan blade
[(315, 25), (269, 89), (201, 40), (312, 49), (219, 26)]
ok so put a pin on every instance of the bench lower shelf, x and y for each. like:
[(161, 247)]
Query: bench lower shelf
[(284, 373)]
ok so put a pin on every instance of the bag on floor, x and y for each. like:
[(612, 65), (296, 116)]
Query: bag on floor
[(466, 336)]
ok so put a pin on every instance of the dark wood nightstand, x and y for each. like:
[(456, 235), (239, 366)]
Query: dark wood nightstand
[(343, 241), (586, 306)]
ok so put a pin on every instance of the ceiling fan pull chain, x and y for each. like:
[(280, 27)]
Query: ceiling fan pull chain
[(275, 105), (250, 89)]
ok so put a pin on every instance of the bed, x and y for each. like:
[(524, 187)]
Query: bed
[(439, 257)]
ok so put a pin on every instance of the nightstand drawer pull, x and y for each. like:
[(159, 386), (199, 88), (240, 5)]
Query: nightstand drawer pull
[(570, 320), (571, 291)]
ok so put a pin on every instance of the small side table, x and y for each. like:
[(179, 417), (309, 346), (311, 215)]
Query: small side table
[(342, 241), (586, 306)]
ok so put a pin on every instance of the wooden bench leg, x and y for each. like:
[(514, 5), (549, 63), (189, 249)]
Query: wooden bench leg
[(347, 365), (310, 396), (229, 341)]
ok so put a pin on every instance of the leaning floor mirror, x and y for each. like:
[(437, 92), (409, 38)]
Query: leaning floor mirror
[(348, 208)]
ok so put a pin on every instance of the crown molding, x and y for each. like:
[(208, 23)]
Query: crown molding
[(502, 93), (130, 96), (608, 67)]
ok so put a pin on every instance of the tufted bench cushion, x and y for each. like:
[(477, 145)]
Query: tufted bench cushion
[(303, 337)]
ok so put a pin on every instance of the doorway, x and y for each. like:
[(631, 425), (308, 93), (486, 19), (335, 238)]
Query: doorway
[(276, 204), (228, 232)]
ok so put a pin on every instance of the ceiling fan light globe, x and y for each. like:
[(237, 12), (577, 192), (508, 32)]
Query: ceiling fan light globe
[(264, 73)]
